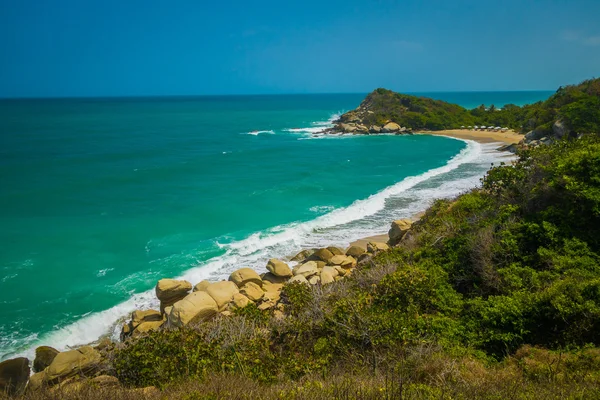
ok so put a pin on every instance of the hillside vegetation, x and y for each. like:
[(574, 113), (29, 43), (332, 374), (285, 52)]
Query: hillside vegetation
[(577, 106)]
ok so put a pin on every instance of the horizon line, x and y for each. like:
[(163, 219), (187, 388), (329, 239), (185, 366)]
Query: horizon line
[(104, 97)]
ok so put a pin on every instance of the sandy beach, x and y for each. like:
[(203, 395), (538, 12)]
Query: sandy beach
[(479, 136)]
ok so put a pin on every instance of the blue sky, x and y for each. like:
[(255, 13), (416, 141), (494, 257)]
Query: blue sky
[(60, 48)]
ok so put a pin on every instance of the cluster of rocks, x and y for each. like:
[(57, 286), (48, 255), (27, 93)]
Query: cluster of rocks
[(358, 128), (182, 304), (542, 137)]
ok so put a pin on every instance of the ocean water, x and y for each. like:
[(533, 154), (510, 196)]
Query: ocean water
[(100, 198)]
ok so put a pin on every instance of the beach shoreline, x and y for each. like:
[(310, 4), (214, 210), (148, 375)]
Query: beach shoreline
[(508, 137)]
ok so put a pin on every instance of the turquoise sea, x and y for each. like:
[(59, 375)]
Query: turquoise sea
[(100, 198)]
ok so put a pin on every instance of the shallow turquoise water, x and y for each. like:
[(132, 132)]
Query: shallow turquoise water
[(102, 197)]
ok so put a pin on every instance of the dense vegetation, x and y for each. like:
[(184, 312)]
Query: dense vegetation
[(578, 106)]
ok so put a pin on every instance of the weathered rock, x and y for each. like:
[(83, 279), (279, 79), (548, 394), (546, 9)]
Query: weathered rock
[(323, 255), (240, 301), (391, 127), (398, 230), (348, 128), (355, 251), (304, 254), (147, 326), (533, 135), (270, 278), (375, 129), (560, 129), (138, 317), (298, 279), (252, 291), (37, 381), (44, 355), (200, 286), (332, 270), (349, 262), (272, 297), (363, 258), (337, 260), (320, 264), (14, 375), (279, 268), (272, 287), (336, 251), (83, 361), (245, 275), (170, 291), (307, 269), (361, 128), (195, 307), (326, 277), (372, 247), (222, 292), (313, 280)]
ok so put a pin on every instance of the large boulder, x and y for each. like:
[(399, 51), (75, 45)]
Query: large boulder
[(298, 279), (337, 260), (83, 361), (239, 301), (355, 251), (560, 129), (326, 277), (195, 307), (44, 355), (170, 291), (252, 291), (307, 269), (303, 255), (391, 127), (245, 275), (150, 319), (222, 292), (200, 286), (348, 128), (270, 278), (336, 251), (373, 247), (147, 326), (533, 135), (323, 255), (279, 268), (348, 262), (14, 375), (398, 230), (375, 129)]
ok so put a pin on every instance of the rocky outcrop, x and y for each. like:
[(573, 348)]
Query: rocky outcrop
[(170, 291), (355, 251), (398, 230), (195, 307), (14, 375), (391, 127), (221, 292), (142, 322), (323, 255), (83, 361), (303, 255), (373, 247), (245, 275), (44, 355), (279, 268)]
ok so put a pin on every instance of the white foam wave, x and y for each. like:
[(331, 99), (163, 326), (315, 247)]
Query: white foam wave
[(340, 226), (256, 133)]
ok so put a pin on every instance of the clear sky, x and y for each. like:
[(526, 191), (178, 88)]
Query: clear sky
[(63, 48)]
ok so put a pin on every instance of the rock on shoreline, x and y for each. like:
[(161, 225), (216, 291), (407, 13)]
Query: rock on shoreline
[(183, 304)]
